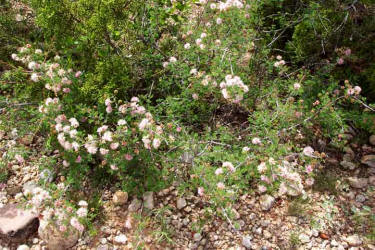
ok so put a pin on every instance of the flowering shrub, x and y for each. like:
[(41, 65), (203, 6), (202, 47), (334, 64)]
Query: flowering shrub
[(131, 131), (54, 210), (222, 106)]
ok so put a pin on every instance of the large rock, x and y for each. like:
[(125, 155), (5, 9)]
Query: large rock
[(56, 239), (266, 202), (358, 182), (368, 160), (120, 198), (16, 224), (148, 199)]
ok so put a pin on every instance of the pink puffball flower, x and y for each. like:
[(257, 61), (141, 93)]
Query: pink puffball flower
[(144, 124), (114, 145), (83, 203), (34, 77), (107, 102), (262, 167), (340, 61), (262, 188), (308, 151), (256, 141), (297, 86), (219, 171), (178, 129), (76, 224), (65, 163), (156, 143), (79, 159), (200, 191), (357, 90), (351, 91), (265, 179), (220, 185), (66, 90), (193, 71), (82, 212), (19, 158), (309, 169), (78, 74), (109, 109), (102, 129), (245, 149), (107, 136), (121, 122), (229, 165), (195, 96), (348, 52), (128, 157), (310, 181), (103, 151), (62, 228), (114, 167)]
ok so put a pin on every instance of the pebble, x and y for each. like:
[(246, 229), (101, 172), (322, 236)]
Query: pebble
[(304, 238), (181, 203), (334, 243), (120, 198), (266, 202), (371, 139), (121, 239), (102, 247), (371, 180), (23, 247), (148, 199), (368, 160), (358, 182), (348, 165), (135, 205), (246, 242), (267, 234), (360, 198), (353, 240), (197, 237)]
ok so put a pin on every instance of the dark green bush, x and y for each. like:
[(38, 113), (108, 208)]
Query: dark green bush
[(114, 42)]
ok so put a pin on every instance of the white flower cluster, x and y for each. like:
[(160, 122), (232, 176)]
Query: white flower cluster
[(57, 79), (354, 91), (233, 88), (279, 62), (291, 181), (224, 6), (50, 105), (67, 132)]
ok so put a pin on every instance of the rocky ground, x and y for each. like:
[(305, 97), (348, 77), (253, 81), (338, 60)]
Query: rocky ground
[(323, 219)]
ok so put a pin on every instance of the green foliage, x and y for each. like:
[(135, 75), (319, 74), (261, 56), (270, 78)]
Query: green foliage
[(115, 42)]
